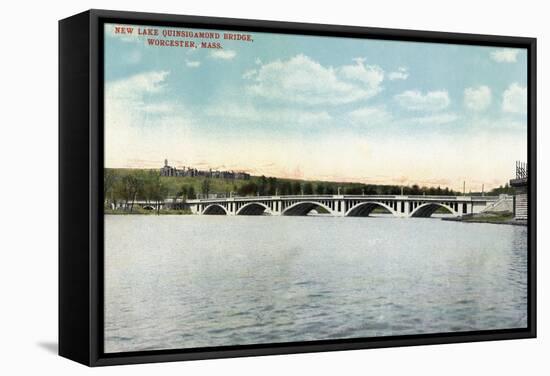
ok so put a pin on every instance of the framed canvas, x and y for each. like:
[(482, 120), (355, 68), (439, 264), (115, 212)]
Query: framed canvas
[(234, 187)]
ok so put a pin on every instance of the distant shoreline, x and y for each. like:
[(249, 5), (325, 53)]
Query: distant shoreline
[(491, 218)]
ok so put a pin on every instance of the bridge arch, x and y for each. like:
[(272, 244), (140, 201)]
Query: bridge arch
[(426, 210), (214, 209), (302, 208), (364, 209), (148, 207), (253, 208)]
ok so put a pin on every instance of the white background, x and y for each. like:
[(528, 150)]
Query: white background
[(28, 189)]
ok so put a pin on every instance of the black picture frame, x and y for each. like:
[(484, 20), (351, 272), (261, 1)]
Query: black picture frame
[(81, 165)]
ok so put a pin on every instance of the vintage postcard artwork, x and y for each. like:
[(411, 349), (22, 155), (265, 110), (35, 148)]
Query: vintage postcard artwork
[(271, 188)]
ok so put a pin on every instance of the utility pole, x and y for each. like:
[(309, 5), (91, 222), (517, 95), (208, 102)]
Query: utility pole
[(401, 190), (338, 191), (482, 190), (464, 188)]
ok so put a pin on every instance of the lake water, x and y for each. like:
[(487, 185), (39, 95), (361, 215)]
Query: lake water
[(195, 281)]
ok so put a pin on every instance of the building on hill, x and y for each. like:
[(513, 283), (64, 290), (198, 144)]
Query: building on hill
[(168, 170)]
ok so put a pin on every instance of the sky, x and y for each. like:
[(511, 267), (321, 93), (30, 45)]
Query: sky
[(322, 108)]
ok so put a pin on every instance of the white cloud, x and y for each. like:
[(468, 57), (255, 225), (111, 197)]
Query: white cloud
[(132, 137), (134, 87), (192, 64), (477, 98), (138, 118), (417, 101), (371, 75), (437, 119), (402, 73), (303, 80), (370, 116), (282, 117), (505, 55), (250, 74), (514, 99), (223, 54), (138, 97), (158, 108), (379, 116), (503, 123)]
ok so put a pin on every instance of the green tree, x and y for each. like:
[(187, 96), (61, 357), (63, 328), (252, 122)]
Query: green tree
[(506, 189), (285, 188), (308, 188), (128, 189), (272, 186), (109, 181), (248, 189), (183, 192), (191, 194), (320, 189), (354, 190), (296, 188), (371, 189), (148, 184), (158, 192), (205, 187), (262, 186)]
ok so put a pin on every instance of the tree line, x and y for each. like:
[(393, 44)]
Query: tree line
[(128, 188), (122, 188), (269, 186), (141, 185), (503, 189)]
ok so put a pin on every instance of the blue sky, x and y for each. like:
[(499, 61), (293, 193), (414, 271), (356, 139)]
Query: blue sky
[(319, 108)]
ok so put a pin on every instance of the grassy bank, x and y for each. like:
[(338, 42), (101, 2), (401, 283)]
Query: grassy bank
[(490, 217)]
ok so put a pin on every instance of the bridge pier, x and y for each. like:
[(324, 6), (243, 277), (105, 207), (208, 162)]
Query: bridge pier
[(276, 206), (231, 207), (403, 207), (339, 206)]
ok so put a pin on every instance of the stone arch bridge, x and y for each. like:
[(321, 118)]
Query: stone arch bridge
[(340, 205)]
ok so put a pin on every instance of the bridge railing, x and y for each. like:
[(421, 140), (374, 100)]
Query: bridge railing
[(484, 198), (344, 197)]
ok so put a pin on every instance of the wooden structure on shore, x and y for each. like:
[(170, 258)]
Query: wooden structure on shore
[(521, 199)]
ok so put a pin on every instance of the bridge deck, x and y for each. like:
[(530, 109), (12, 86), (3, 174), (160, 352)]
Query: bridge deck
[(343, 197), (338, 205)]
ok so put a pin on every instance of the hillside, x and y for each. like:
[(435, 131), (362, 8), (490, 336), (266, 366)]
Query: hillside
[(256, 185)]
